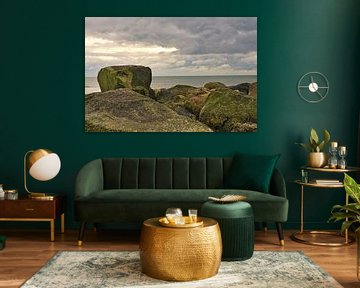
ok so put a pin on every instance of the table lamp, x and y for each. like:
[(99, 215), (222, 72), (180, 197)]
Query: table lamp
[(43, 165)]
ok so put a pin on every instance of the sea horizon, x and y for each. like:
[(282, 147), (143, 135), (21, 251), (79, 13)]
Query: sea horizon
[(91, 84)]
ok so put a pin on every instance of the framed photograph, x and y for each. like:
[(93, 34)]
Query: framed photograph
[(170, 74)]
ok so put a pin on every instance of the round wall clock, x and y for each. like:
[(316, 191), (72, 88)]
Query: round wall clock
[(313, 87)]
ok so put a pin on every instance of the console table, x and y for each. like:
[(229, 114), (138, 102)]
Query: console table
[(297, 235), (27, 209)]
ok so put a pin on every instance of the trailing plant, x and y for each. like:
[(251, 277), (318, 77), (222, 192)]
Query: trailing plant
[(314, 144), (349, 214)]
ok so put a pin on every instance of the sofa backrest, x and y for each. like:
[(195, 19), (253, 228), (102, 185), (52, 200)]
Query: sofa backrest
[(164, 173)]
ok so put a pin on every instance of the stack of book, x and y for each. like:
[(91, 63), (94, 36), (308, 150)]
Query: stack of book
[(327, 181)]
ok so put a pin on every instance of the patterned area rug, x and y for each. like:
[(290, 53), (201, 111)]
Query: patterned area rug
[(122, 269)]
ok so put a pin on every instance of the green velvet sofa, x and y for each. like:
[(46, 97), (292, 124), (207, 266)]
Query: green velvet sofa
[(130, 190)]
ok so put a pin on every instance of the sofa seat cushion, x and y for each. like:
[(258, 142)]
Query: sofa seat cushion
[(179, 195), (266, 207)]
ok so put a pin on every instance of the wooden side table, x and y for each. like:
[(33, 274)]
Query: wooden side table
[(26, 209)]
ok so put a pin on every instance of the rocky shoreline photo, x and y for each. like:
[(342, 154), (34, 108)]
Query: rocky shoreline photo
[(127, 103)]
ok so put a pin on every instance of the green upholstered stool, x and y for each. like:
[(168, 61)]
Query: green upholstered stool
[(2, 242), (236, 221)]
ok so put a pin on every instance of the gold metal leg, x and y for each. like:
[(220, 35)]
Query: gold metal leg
[(302, 210), (346, 230), (265, 227), (52, 230), (63, 223)]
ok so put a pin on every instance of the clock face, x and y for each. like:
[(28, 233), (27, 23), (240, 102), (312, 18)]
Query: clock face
[(313, 87)]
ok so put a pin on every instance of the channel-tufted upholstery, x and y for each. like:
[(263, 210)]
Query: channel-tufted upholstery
[(131, 190), (164, 173)]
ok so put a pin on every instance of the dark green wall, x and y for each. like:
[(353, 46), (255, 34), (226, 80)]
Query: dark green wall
[(42, 87)]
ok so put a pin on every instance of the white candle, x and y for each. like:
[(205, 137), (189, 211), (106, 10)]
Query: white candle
[(342, 149)]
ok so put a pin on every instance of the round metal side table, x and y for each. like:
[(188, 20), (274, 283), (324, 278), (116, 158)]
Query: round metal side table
[(180, 254), (297, 235)]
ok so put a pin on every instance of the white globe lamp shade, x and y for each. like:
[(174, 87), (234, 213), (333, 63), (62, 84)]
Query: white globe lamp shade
[(44, 164)]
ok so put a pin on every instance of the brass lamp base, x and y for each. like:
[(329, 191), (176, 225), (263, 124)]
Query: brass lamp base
[(41, 196)]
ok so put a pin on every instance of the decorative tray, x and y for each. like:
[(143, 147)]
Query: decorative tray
[(228, 198), (165, 222)]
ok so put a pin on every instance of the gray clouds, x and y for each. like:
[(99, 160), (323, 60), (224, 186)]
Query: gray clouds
[(179, 46)]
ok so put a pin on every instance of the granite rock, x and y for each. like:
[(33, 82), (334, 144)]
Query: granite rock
[(124, 110), (137, 78)]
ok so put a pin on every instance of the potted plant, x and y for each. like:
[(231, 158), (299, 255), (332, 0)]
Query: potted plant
[(317, 157), (350, 214)]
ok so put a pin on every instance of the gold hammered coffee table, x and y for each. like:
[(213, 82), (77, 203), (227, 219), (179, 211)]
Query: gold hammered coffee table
[(180, 254)]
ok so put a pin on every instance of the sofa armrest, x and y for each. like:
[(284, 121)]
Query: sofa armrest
[(277, 184), (89, 179)]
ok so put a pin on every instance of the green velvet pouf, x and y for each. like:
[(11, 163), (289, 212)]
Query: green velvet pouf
[(236, 221), (2, 242)]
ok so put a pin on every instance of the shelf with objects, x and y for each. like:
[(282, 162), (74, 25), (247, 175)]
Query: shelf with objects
[(321, 183)]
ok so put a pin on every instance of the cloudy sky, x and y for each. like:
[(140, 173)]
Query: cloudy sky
[(178, 46)]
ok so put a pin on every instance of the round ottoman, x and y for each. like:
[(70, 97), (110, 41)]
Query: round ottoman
[(236, 221)]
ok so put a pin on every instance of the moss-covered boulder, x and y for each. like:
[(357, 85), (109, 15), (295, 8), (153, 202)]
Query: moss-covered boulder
[(137, 78), (164, 95), (253, 89), (193, 97), (214, 85), (244, 127), (228, 110), (246, 88), (124, 110), (242, 87), (182, 90), (175, 102), (183, 99), (196, 101)]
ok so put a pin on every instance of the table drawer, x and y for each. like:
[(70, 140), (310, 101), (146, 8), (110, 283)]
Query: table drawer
[(28, 209)]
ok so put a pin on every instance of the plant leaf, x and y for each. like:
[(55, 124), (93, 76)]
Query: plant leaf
[(346, 225), (337, 216), (321, 146), (314, 135), (306, 146), (350, 207), (352, 188), (312, 144), (326, 136)]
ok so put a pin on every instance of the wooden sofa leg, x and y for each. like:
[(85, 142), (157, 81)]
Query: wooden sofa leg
[(81, 233), (265, 227), (280, 233), (95, 228)]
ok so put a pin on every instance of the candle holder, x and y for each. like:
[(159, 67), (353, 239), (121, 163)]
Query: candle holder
[(333, 149), (342, 153)]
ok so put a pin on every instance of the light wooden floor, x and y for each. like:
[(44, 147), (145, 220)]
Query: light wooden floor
[(28, 250)]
